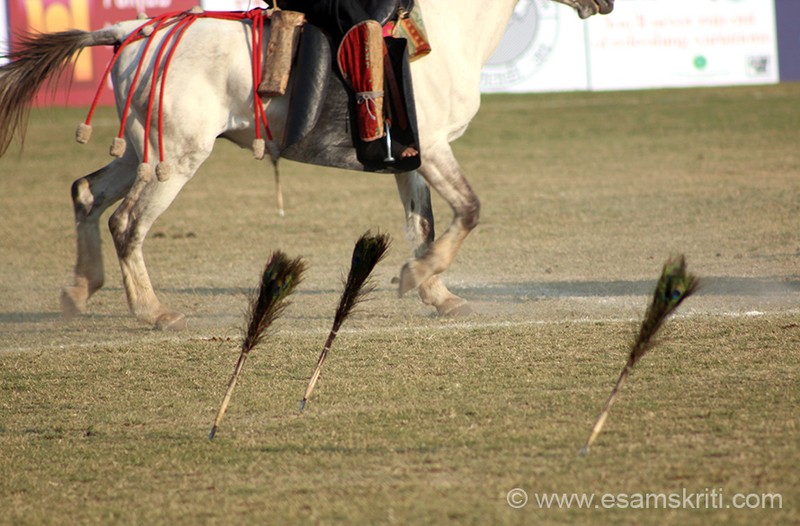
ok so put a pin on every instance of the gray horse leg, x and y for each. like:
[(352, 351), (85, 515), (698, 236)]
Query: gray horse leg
[(91, 196), (441, 171), (416, 199)]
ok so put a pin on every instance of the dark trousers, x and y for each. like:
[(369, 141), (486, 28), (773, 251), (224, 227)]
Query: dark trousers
[(334, 16)]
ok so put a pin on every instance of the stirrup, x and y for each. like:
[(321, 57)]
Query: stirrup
[(389, 157)]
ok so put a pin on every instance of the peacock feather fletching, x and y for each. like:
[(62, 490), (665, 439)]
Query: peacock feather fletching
[(369, 251), (280, 277), (674, 286)]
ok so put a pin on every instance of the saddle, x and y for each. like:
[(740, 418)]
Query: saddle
[(320, 125)]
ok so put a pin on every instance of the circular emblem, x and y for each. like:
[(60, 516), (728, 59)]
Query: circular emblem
[(526, 45)]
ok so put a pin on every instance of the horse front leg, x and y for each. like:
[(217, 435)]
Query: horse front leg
[(91, 196), (416, 199), (441, 170)]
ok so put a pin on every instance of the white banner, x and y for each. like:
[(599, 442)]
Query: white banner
[(652, 43), (641, 44), (542, 50), (4, 37), (232, 5)]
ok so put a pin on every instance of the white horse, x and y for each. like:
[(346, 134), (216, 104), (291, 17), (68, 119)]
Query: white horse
[(215, 60)]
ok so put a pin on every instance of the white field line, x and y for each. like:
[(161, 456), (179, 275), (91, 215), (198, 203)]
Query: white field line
[(454, 326)]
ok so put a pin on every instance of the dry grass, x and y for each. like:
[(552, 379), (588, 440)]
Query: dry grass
[(418, 419)]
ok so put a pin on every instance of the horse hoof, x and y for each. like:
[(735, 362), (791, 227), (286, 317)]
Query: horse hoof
[(409, 279), (456, 308), (73, 302), (171, 321)]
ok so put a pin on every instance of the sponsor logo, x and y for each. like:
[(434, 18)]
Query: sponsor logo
[(527, 44)]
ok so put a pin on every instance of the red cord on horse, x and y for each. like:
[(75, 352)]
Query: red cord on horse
[(180, 22)]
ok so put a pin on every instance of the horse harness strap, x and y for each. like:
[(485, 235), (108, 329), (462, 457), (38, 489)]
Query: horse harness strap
[(177, 23), (173, 26)]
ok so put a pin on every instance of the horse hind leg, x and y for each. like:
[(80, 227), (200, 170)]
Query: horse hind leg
[(147, 199), (416, 199), (91, 196)]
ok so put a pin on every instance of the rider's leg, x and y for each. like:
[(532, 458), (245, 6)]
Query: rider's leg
[(361, 58)]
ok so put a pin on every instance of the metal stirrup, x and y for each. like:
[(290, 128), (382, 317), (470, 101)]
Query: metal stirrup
[(389, 158)]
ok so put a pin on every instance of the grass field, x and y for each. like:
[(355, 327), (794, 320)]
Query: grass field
[(418, 419)]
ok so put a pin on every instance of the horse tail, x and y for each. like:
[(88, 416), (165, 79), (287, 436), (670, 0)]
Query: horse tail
[(35, 59)]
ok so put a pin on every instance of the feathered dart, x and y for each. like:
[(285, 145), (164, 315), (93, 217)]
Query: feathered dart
[(674, 286), (281, 276), (368, 252)]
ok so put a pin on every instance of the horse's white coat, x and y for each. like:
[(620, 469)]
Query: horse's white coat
[(211, 96)]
